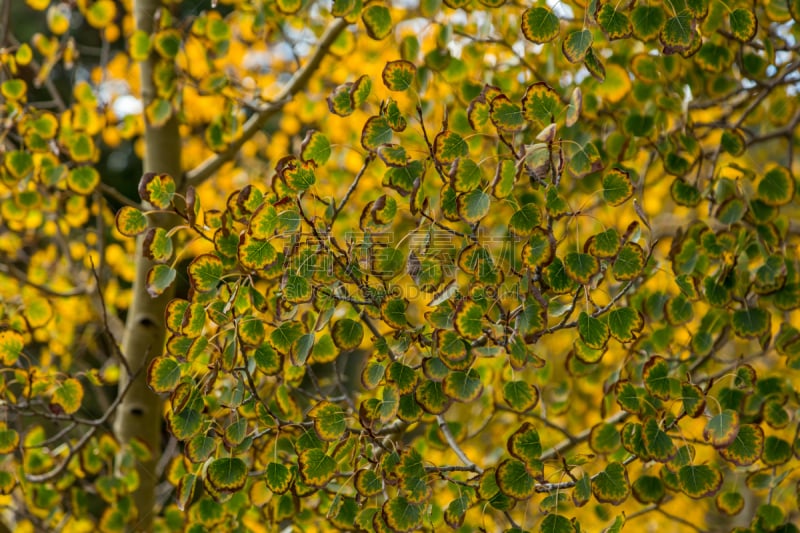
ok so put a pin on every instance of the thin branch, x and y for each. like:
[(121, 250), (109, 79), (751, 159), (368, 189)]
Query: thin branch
[(75, 448), (583, 436), (112, 338), (370, 158), (297, 83), (20, 276), (118, 196), (448, 435)]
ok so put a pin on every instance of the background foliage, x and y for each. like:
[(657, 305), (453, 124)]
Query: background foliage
[(460, 264)]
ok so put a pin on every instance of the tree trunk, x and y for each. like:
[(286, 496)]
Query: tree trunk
[(139, 414)]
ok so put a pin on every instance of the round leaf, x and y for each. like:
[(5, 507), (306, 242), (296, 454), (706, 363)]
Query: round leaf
[(539, 25), (227, 475), (347, 334), (378, 21), (611, 485), (399, 75), (699, 481)]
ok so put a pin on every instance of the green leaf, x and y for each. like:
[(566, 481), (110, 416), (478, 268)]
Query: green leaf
[(678, 33), (399, 75), (584, 159), (525, 444), (604, 245), (539, 250), (556, 277), (347, 334), (581, 267), (770, 517), (611, 485), (639, 125), (9, 440), (731, 211), (506, 115), (465, 175), (19, 163), (402, 515), (468, 320), (267, 360), (777, 187), (576, 45), (751, 323), (368, 483), (541, 105), (159, 278), (776, 452), (617, 186), (684, 193), (595, 66), (743, 24), (11, 346), (747, 447), (227, 475), (13, 89), (473, 205), (648, 489), (657, 380), (520, 396), (316, 467), (647, 21), (393, 155), (163, 374), (604, 438), (431, 397), (514, 480), (615, 23), (555, 523), (205, 272), (157, 245), (593, 331), (376, 132), (629, 263), (449, 146), (130, 221), (83, 179), (729, 502), (694, 400), (721, 429), (315, 147), (200, 448), (539, 25), (525, 220), (329, 420), (679, 310), (699, 481), (67, 394), (463, 386), (625, 323), (377, 21), (658, 443), (340, 101), (157, 189), (283, 337), (278, 478)]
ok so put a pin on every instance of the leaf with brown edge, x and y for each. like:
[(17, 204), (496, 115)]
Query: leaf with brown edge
[(316, 467)]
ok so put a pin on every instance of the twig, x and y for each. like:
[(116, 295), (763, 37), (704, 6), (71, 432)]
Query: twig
[(583, 436), (448, 435), (297, 83), (75, 448), (20, 276), (112, 339), (370, 158)]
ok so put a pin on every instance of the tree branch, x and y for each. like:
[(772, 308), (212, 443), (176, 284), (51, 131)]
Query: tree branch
[(207, 168)]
